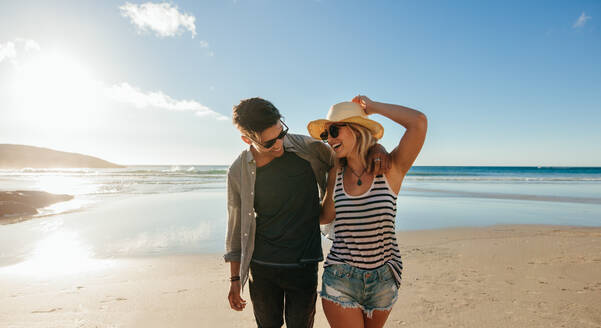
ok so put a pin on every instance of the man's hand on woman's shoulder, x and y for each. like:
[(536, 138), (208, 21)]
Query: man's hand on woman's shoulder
[(378, 160)]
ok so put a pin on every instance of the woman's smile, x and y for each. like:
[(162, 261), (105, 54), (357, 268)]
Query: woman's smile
[(336, 146)]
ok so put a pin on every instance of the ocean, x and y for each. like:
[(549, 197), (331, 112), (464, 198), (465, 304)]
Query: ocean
[(157, 210)]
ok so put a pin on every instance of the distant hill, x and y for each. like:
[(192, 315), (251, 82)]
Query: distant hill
[(21, 156)]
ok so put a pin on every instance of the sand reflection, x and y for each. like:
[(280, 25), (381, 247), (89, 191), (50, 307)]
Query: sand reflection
[(62, 252)]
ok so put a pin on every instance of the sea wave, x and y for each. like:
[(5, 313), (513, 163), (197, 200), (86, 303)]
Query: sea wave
[(49, 170), (190, 171)]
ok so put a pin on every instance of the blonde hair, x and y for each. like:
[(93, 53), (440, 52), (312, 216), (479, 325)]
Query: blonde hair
[(364, 139)]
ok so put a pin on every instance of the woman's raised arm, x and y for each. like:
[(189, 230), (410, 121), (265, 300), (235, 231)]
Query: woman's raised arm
[(413, 120)]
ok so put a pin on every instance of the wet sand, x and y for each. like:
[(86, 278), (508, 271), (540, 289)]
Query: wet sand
[(500, 276), (21, 205)]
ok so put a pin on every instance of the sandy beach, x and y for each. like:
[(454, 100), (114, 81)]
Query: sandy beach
[(500, 276)]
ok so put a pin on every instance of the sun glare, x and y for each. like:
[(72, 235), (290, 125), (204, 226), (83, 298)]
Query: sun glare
[(60, 253), (55, 90), (60, 184)]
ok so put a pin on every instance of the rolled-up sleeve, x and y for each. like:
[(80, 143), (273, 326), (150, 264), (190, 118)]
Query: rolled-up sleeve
[(326, 154), (326, 157), (233, 241)]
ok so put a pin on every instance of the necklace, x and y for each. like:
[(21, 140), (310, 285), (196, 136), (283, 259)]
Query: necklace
[(357, 175)]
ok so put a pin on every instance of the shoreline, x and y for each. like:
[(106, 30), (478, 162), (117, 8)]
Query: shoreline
[(516, 196), (498, 276)]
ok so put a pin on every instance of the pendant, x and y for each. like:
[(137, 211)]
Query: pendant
[(359, 182)]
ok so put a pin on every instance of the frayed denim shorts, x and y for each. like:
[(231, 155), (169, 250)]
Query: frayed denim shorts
[(351, 287)]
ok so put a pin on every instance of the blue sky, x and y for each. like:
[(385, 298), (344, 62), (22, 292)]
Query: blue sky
[(502, 83)]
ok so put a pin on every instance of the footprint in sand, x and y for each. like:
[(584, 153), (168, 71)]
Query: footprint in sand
[(47, 311), (176, 292), (72, 291), (114, 299)]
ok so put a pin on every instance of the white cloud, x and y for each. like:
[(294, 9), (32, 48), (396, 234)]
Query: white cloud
[(7, 51), (31, 45), (205, 45), (11, 49), (581, 20), (162, 18), (53, 77), (126, 93)]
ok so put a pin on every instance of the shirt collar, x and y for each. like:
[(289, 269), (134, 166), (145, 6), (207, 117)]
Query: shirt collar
[(288, 145), (249, 156)]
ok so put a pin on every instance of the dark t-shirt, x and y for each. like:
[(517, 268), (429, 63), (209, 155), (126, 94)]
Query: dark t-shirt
[(287, 206)]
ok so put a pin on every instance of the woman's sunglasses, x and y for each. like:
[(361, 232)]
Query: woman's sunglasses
[(333, 131), (269, 143)]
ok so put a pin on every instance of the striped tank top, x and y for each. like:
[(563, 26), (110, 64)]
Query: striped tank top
[(364, 232)]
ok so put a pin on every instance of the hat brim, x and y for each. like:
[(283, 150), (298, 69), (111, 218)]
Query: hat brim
[(318, 126)]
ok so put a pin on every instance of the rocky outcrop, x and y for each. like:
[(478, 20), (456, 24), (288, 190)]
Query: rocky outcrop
[(21, 156), (27, 203)]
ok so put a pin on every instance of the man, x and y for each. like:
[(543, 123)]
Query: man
[(274, 192)]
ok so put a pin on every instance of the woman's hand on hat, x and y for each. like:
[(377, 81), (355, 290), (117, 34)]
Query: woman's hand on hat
[(364, 102)]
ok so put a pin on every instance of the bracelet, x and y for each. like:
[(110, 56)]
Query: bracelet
[(234, 278)]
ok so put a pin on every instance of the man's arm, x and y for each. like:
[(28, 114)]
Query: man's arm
[(378, 159), (325, 155), (236, 301), (233, 240), (328, 212)]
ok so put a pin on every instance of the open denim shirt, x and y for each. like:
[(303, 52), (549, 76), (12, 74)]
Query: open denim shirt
[(241, 176)]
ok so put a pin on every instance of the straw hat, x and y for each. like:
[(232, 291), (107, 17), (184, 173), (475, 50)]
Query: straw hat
[(349, 112)]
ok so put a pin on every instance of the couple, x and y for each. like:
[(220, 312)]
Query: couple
[(285, 185)]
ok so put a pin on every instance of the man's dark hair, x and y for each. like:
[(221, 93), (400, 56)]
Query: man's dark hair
[(252, 116)]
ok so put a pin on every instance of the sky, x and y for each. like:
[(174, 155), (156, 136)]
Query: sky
[(502, 82)]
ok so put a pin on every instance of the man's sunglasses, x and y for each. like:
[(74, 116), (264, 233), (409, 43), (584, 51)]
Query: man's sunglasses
[(333, 131), (269, 143)]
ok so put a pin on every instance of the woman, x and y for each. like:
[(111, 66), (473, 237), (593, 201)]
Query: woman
[(362, 272)]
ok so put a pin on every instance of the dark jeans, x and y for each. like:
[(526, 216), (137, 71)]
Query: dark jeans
[(278, 290)]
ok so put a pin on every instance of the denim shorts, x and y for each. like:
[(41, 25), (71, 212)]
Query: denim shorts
[(351, 287)]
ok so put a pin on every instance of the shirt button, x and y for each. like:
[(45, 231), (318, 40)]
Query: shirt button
[(250, 213), (245, 235), (252, 193)]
